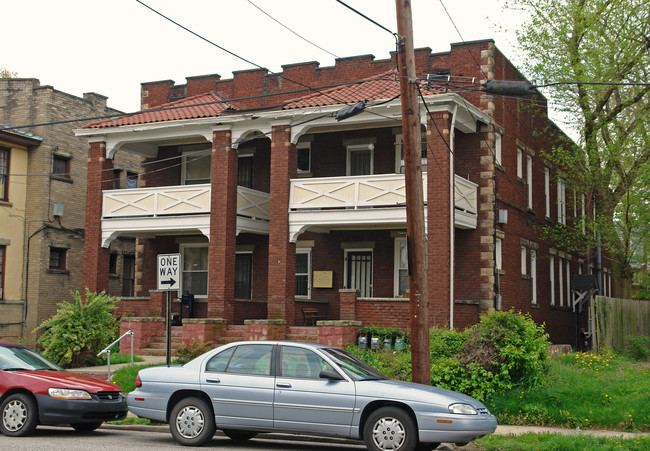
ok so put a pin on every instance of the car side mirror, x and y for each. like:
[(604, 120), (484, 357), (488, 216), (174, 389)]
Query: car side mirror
[(331, 375)]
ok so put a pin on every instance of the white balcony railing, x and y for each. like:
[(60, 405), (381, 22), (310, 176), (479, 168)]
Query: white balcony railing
[(178, 200), (387, 190)]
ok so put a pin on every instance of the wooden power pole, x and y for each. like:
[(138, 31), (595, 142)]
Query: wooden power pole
[(415, 231)]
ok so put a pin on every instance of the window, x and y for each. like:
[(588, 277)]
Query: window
[(561, 201), (401, 278), (3, 253), (303, 272), (568, 280), (360, 159), (498, 254), (128, 276), (117, 175), (245, 171), (497, 149), (304, 157), (131, 180), (112, 264), (529, 179), (302, 363), (551, 277), (61, 166), (399, 153), (196, 163), (248, 359), (524, 269), (520, 162), (533, 275), (4, 173), (358, 271), (561, 280), (244, 275), (547, 193), (57, 258), (195, 269)]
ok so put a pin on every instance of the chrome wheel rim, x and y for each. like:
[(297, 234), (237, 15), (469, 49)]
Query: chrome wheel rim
[(190, 422), (388, 433), (14, 416)]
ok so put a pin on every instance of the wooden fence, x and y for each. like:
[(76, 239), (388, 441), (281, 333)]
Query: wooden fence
[(615, 319)]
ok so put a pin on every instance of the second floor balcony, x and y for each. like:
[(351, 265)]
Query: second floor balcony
[(315, 203)]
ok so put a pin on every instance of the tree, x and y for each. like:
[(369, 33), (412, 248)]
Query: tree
[(605, 44), (6, 73)]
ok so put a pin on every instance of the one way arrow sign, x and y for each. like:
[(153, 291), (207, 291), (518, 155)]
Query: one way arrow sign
[(169, 271)]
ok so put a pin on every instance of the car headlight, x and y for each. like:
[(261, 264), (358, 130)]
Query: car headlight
[(463, 409), (68, 393)]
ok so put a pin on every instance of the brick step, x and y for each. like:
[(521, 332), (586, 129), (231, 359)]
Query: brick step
[(158, 352)]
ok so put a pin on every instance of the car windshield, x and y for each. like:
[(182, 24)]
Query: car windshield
[(16, 358), (353, 367)]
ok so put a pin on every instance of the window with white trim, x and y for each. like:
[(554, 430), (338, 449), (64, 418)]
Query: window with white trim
[(4, 173), (520, 163), (551, 277), (195, 167), (497, 148), (194, 278), (568, 280), (529, 179), (360, 159), (399, 153), (524, 269), (303, 273), (498, 254), (401, 271), (547, 193), (561, 201), (533, 275), (304, 157), (561, 280)]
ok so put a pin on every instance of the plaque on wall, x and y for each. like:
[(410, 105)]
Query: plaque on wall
[(322, 279)]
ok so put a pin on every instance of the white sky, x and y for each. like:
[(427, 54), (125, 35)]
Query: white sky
[(110, 47)]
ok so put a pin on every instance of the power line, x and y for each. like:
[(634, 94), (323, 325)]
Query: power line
[(368, 19)]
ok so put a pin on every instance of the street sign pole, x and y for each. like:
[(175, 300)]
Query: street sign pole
[(169, 270)]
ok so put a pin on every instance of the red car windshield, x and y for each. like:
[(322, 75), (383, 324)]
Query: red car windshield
[(17, 358)]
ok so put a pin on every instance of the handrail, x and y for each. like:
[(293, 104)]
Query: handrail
[(107, 351)]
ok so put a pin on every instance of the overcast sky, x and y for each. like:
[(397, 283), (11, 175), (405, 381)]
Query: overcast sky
[(110, 47)]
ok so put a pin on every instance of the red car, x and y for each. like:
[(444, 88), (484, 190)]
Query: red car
[(35, 391)]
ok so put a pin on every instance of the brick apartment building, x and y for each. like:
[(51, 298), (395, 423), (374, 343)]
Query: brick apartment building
[(276, 206), (44, 184)]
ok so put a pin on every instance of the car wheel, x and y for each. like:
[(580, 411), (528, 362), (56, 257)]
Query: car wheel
[(86, 427), (390, 428), (239, 435), (191, 422), (19, 415)]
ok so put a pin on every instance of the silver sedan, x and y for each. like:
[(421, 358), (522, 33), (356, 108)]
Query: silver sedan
[(276, 386)]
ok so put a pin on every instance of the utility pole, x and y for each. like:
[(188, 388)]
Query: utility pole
[(415, 231)]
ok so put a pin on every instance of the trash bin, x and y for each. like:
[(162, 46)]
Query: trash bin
[(188, 299)]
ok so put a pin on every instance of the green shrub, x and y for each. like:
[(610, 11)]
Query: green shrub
[(79, 330), (192, 350), (637, 347)]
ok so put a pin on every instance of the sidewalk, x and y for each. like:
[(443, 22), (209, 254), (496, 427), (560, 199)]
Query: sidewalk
[(103, 370)]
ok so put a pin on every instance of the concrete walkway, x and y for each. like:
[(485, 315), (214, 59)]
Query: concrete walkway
[(103, 370)]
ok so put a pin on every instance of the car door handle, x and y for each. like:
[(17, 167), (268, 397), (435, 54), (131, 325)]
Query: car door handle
[(283, 385), (213, 381)]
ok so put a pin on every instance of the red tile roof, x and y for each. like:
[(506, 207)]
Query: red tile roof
[(382, 87), (202, 105)]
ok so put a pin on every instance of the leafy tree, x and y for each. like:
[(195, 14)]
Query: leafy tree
[(605, 44), (6, 73), (79, 331)]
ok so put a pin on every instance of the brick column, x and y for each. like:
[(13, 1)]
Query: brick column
[(223, 228), (348, 304), (439, 216), (96, 258), (282, 253)]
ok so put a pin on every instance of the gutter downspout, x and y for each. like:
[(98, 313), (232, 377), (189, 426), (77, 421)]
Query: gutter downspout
[(39, 230), (452, 208)]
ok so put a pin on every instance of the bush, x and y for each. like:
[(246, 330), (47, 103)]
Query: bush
[(79, 331), (505, 349), (191, 351), (637, 347)]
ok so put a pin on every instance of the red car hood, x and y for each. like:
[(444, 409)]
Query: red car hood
[(64, 379)]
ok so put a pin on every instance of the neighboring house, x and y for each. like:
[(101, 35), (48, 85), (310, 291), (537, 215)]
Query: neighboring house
[(15, 146), (277, 207), (46, 205)]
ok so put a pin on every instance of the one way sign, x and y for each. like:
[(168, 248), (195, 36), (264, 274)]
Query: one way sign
[(169, 271)]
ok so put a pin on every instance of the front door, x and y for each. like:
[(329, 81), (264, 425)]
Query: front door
[(359, 272)]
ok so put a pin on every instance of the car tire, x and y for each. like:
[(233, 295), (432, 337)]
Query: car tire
[(19, 415), (191, 422), (390, 428), (86, 427), (239, 436)]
